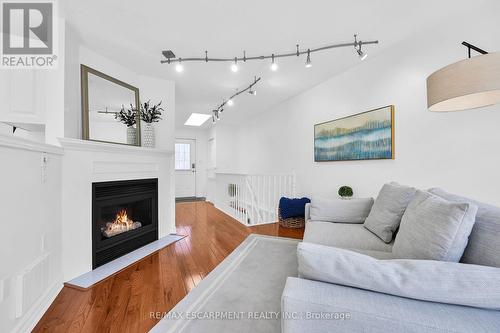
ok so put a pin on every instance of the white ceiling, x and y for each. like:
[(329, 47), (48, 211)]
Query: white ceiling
[(134, 33)]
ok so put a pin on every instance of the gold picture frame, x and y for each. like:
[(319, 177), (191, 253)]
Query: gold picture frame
[(367, 135)]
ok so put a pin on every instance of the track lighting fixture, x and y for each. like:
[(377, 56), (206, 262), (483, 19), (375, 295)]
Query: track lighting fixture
[(274, 66), (308, 61), (217, 111), (234, 67), (178, 67), (357, 46)]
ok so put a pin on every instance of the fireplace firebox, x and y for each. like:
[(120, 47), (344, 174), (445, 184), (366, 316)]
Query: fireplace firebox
[(124, 217)]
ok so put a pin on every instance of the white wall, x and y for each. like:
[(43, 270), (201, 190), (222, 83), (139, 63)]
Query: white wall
[(201, 137), (72, 101), (31, 231), (161, 90), (54, 93), (457, 151), (228, 148)]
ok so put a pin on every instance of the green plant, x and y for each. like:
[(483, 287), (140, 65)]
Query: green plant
[(128, 117), (151, 113), (345, 192)]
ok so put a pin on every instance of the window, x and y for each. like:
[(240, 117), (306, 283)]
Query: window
[(182, 156)]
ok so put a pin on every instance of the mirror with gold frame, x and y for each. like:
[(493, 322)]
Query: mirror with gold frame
[(109, 109)]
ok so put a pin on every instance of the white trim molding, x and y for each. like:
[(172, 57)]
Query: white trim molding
[(25, 144), (103, 147)]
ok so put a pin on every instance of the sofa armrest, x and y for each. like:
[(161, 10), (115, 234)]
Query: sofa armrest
[(317, 307), (307, 212)]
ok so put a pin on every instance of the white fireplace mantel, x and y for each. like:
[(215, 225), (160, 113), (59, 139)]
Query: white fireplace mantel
[(96, 146), (86, 162)]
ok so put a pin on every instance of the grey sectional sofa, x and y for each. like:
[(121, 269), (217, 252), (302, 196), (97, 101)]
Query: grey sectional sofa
[(344, 278), (371, 311)]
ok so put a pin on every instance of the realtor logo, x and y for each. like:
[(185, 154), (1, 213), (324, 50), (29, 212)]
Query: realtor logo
[(28, 34)]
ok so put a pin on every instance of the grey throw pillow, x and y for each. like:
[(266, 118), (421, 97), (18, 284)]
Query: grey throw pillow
[(433, 228), (388, 210), (484, 240), (340, 210), (436, 281)]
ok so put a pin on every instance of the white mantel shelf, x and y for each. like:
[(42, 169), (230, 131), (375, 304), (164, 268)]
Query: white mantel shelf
[(95, 146), (25, 144)]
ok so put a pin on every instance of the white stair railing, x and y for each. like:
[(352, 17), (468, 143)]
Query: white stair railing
[(252, 199)]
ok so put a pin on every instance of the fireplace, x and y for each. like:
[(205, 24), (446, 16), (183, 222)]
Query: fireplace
[(124, 217)]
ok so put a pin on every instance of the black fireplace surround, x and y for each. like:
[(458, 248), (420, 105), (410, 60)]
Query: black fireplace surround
[(139, 200)]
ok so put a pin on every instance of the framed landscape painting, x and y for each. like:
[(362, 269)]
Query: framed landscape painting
[(363, 136)]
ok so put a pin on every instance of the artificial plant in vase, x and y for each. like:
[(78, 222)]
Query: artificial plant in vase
[(150, 113), (129, 118)]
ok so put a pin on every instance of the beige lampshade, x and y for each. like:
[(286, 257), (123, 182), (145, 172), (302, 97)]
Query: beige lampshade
[(467, 84)]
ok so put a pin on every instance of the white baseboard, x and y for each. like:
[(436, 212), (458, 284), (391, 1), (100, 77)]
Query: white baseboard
[(31, 318)]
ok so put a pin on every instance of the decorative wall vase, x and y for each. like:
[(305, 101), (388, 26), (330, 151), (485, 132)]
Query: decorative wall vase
[(149, 136), (131, 135)]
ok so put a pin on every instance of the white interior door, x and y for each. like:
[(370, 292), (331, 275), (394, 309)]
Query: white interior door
[(185, 168)]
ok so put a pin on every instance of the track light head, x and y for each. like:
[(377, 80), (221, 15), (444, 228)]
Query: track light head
[(362, 55), (178, 67), (308, 61), (357, 46), (274, 66), (234, 66)]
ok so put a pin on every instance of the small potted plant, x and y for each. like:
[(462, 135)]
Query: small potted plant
[(150, 113), (129, 118), (345, 192)]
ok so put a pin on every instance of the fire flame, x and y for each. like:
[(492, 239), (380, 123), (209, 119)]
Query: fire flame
[(122, 217), (122, 222)]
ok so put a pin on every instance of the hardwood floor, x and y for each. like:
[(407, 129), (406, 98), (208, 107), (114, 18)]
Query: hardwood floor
[(124, 301)]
